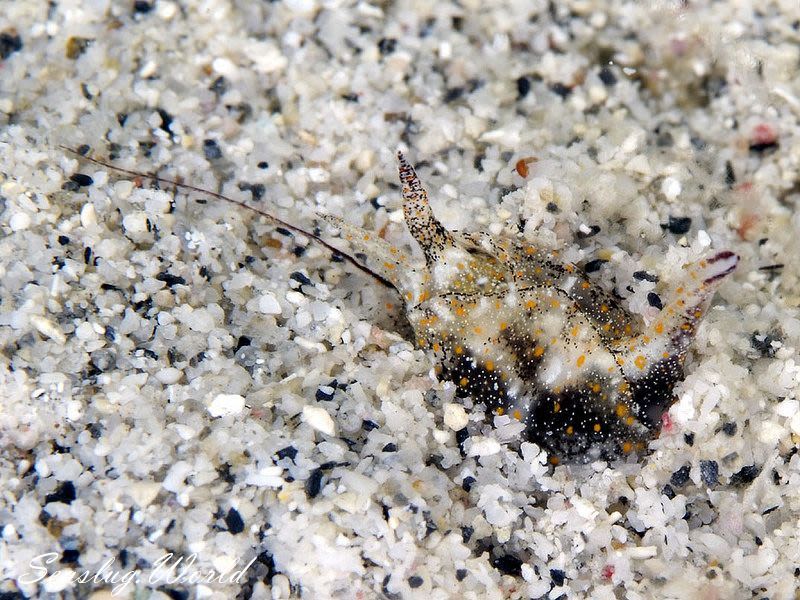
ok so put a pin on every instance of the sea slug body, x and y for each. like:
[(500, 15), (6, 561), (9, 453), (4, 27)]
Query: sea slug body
[(528, 335)]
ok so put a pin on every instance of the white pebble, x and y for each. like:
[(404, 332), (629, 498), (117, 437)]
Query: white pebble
[(794, 424), (296, 298), (166, 10), (42, 468), (769, 432), (528, 574), (266, 477), (104, 594), (135, 222), (224, 405), (758, 564), (169, 375), (303, 7), (319, 419), (175, 480), (9, 532), (74, 410), (149, 69), (280, 587), (88, 215), (123, 189), (484, 446), (303, 319), (441, 436), (642, 552), (100, 177), (495, 503), (268, 304), (639, 164), (143, 492), (85, 332), (267, 58), (201, 321), (19, 221), (455, 417), (671, 188), (225, 67), (631, 143), (66, 468), (309, 345), (788, 408), (182, 430), (58, 581), (597, 94), (584, 508), (224, 563), (320, 311), (47, 328), (202, 592)]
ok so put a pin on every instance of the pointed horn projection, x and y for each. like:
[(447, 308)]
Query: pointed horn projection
[(704, 277), (430, 234), (719, 266), (669, 336)]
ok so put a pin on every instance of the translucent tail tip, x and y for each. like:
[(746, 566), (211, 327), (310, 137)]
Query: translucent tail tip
[(719, 266)]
